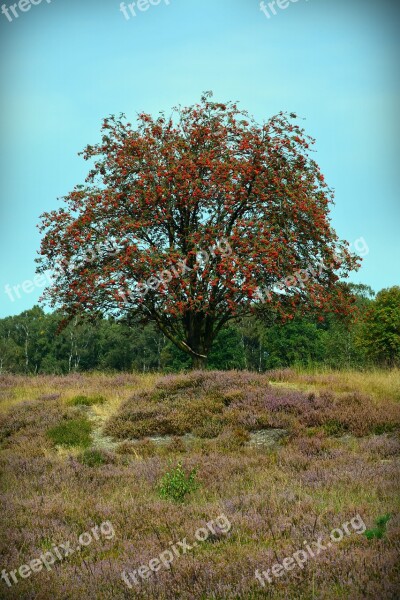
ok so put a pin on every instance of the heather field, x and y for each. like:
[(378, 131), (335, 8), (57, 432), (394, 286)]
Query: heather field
[(130, 468)]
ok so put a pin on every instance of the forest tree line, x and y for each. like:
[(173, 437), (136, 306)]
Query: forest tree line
[(33, 342)]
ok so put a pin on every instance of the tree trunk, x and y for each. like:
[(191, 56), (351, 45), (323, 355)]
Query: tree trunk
[(199, 362), (198, 339)]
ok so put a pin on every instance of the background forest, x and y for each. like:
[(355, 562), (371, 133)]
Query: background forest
[(32, 342)]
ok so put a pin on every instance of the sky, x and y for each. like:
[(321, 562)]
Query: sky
[(67, 64)]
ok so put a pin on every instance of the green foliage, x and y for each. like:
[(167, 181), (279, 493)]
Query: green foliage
[(382, 428), (380, 334), (173, 359), (31, 342), (227, 351), (383, 520), (379, 531), (176, 484), (75, 432), (87, 400), (334, 427), (299, 342)]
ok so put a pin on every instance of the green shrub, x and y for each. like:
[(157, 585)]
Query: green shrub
[(176, 484), (383, 520), (379, 531), (382, 428), (92, 457), (75, 432), (86, 400), (335, 427)]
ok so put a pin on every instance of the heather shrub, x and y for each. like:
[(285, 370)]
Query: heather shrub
[(360, 415), (74, 432), (47, 397), (8, 381), (234, 395), (381, 428), (317, 446), (297, 490), (233, 439), (171, 384), (145, 448), (126, 448), (30, 418), (381, 446), (205, 404), (176, 484), (176, 445), (209, 428), (282, 375)]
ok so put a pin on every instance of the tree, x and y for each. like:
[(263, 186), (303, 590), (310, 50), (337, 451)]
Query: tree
[(340, 347), (194, 221), (380, 334), (11, 355), (296, 343), (252, 334), (227, 351)]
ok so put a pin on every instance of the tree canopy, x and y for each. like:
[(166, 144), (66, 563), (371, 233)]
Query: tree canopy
[(195, 220), (381, 327)]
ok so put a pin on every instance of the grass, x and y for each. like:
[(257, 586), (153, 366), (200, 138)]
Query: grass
[(380, 529), (92, 457), (378, 383), (340, 458), (82, 400), (75, 432)]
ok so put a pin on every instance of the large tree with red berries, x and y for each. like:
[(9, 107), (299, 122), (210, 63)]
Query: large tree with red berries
[(195, 220)]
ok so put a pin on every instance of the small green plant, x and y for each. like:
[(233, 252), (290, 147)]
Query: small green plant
[(334, 427), (91, 457), (379, 531), (382, 428), (75, 432), (86, 400), (176, 484), (46, 543)]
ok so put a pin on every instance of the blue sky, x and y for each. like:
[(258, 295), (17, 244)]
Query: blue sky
[(66, 64)]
